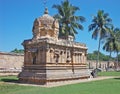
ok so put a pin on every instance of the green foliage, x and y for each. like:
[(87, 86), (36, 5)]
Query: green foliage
[(112, 41), (17, 51), (69, 23), (110, 86), (109, 73), (102, 57), (100, 24)]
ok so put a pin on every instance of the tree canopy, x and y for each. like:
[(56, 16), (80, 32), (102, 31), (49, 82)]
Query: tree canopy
[(103, 57), (18, 51), (69, 23)]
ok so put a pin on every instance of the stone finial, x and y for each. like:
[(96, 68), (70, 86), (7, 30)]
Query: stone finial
[(46, 11)]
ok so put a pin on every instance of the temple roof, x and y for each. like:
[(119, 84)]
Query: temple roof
[(45, 26), (46, 18)]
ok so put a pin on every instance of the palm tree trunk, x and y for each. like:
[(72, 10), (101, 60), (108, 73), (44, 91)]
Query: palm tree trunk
[(117, 60), (109, 60), (97, 63)]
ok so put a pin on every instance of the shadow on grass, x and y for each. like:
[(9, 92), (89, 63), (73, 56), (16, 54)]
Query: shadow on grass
[(9, 80), (117, 78)]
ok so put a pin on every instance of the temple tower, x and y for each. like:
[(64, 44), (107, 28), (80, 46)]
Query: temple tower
[(49, 59)]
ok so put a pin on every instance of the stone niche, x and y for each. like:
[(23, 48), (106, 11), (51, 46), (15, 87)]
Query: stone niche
[(48, 59)]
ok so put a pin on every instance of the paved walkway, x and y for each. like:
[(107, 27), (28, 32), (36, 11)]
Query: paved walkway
[(8, 74), (61, 83)]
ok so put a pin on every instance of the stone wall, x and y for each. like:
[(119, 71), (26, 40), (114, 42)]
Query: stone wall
[(102, 64), (11, 61)]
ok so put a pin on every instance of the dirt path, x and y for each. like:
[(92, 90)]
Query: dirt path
[(8, 74)]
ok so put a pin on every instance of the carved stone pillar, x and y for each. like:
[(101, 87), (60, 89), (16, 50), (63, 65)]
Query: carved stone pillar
[(61, 57), (51, 56), (25, 58), (44, 56), (83, 58), (30, 58), (65, 56), (48, 56), (39, 57), (80, 58), (73, 58), (77, 58)]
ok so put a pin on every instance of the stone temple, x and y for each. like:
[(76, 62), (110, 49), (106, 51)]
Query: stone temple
[(48, 58)]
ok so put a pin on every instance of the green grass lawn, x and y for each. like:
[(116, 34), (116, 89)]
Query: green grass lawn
[(109, 86), (113, 73)]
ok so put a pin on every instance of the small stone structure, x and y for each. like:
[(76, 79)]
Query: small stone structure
[(48, 58)]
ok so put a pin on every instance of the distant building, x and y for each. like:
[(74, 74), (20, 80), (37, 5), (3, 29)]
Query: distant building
[(48, 58)]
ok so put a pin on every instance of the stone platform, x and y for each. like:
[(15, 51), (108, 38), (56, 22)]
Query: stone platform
[(43, 74)]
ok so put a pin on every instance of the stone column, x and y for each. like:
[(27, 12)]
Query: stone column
[(51, 57), (73, 58), (52, 60), (65, 58), (30, 61), (61, 57), (80, 58), (83, 59), (25, 58), (36, 57), (39, 57), (44, 56), (48, 56), (76, 58)]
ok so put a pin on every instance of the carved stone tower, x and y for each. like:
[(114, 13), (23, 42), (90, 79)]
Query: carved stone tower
[(48, 59), (45, 27)]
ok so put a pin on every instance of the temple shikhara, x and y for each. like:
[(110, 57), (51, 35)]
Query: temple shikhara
[(49, 58)]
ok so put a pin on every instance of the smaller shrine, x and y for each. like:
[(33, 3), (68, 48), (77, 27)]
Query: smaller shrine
[(48, 58)]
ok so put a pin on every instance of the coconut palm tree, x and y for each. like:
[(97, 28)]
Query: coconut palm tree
[(100, 26), (117, 42), (112, 42), (109, 43), (69, 23)]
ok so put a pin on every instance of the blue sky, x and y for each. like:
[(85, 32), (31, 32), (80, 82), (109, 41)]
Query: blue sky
[(17, 16)]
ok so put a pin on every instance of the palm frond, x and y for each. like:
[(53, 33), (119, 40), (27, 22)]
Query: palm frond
[(66, 17), (95, 33)]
